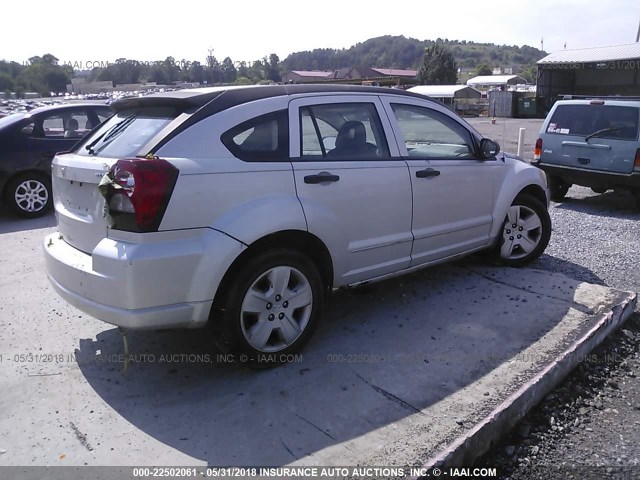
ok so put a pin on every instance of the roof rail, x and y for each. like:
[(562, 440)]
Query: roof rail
[(598, 97)]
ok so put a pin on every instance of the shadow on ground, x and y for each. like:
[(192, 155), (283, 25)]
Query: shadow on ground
[(10, 223), (613, 204), (382, 354)]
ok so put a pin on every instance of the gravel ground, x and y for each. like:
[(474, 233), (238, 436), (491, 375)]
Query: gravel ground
[(589, 427)]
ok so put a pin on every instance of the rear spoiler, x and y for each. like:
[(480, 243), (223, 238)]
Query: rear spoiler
[(179, 100)]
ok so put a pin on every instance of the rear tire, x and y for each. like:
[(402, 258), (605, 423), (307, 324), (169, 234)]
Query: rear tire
[(271, 306), (525, 232), (557, 187), (29, 195)]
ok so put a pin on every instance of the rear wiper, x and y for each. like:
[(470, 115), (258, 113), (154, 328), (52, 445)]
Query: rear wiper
[(599, 132), (112, 132)]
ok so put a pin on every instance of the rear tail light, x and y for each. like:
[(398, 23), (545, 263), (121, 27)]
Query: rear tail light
[(636, 163), (138, 193), (537, 150)]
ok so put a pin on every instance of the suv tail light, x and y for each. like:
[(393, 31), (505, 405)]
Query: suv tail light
[(636, 163), (537, 150), (138, 193)]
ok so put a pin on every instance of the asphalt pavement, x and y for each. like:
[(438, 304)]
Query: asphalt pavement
[(427, 369)]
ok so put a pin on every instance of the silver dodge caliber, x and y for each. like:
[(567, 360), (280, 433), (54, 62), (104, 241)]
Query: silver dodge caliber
[(243, 207)]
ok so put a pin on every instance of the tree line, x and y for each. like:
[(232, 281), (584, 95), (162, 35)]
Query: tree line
[(434, 60)]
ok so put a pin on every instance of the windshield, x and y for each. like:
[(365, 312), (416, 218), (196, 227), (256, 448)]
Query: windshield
[(602, 121), (127, 132)]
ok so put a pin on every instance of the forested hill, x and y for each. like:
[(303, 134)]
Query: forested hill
[(406, 53)]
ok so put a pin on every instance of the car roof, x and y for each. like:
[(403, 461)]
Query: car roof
[(236, 95), (65, 106), (600, 101)]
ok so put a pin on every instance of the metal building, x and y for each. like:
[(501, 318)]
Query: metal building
[(611, 70), (460, 98), (496, 81)]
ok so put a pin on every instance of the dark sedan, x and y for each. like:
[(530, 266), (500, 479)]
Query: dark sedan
[(28, 143)]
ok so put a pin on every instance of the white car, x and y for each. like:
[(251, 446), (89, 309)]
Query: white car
[(243, 207)]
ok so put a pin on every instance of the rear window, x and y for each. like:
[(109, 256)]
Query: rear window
[(124, 134), (615, 122)]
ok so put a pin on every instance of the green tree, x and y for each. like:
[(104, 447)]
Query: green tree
[(197, 73), (229, 72), (530, 73), (438, 67), (272, 69), (6, 82), (484, 69)]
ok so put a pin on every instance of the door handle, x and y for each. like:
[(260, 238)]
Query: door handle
[(429, 172), (321, 178), (583, 161)]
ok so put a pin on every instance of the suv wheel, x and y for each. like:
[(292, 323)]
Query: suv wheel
[(525, 233), (557, 188), (29, 195), (272, 305)]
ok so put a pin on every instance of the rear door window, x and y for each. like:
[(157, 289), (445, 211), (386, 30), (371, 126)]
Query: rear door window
[(127, 132), (264, 138), (342, 131), (614, 122)]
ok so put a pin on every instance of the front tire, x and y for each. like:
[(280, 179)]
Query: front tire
[(558, 188), (271, 305), (29, 195), (525, 232)]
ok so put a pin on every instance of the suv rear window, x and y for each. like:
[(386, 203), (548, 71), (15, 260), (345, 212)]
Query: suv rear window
[(615, 122), (127, 131)]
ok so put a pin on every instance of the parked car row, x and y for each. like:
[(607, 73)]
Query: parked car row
[(241, 208)]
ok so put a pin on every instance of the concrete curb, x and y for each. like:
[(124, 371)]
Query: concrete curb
[(470, 446)]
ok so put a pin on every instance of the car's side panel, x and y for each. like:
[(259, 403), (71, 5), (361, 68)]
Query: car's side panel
[(364, 217), (244, 199), (452, 209)]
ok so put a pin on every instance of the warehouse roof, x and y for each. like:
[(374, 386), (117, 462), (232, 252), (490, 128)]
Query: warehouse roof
[(394, 72), (595, 54), (491, 80), (446, 91)]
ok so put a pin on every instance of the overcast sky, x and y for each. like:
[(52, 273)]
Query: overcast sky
[(247, 30)]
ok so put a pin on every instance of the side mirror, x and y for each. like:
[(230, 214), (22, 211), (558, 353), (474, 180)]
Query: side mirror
[(488, 149)]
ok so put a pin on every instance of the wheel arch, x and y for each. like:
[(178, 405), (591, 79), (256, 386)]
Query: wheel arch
[(536, 192), (301, 241)]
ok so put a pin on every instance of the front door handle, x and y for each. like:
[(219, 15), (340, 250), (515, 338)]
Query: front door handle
[(321, 178), (429, 172), (584, 161)]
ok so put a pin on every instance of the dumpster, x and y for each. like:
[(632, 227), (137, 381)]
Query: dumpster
[(526, 107)]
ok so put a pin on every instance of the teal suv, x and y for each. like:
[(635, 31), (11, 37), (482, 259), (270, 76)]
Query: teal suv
[(593, 143)]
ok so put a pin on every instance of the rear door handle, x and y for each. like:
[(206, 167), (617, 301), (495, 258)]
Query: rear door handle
[(429, 172), (584, 161), (321, 178)]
